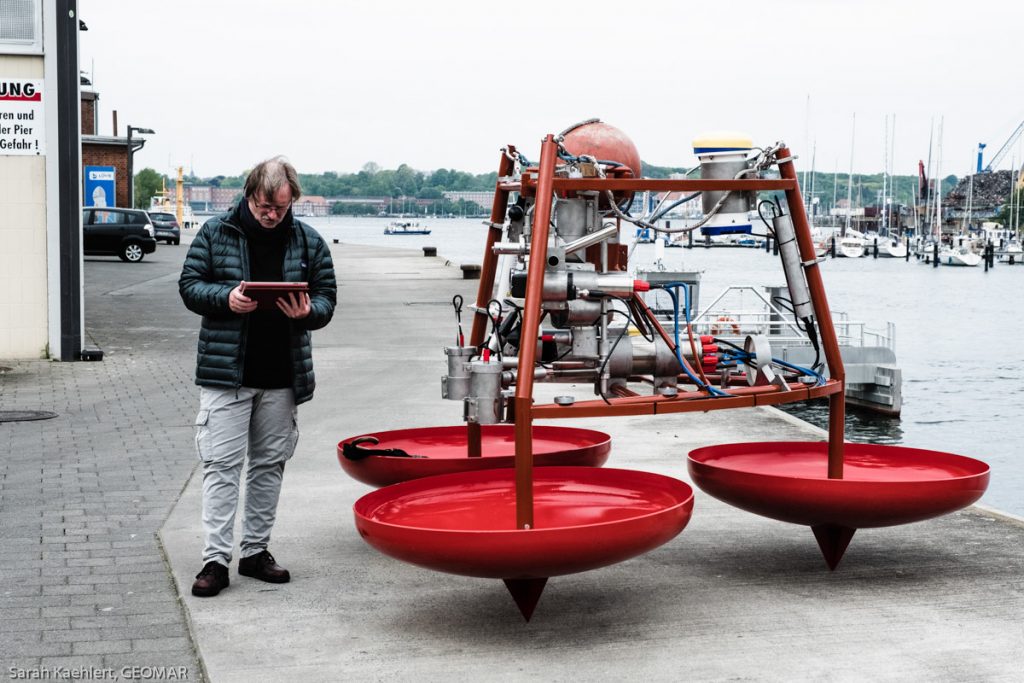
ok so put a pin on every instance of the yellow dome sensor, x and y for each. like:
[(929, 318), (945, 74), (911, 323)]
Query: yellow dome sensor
[(722, 142)]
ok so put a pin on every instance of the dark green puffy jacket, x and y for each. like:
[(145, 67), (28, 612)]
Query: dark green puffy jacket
[(217, 262)]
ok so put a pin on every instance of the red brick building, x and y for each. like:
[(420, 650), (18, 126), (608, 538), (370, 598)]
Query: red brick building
[(104, 150)]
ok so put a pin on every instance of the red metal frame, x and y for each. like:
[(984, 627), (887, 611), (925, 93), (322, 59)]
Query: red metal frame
[(541, 183)]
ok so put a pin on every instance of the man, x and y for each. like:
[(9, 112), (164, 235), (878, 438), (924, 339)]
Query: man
[(254, 366)]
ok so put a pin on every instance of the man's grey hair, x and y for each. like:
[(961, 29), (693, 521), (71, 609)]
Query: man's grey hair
[(271, 175)]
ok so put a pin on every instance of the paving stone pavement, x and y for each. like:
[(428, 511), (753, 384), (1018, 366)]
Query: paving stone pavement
[(83, 581)]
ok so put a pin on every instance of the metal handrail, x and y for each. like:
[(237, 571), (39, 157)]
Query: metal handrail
[(774, 322)]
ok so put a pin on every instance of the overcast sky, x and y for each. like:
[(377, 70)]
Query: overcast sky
[(334, 85)]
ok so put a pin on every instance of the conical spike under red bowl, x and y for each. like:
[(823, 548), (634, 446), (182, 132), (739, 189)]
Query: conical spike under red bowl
[(465, 523)]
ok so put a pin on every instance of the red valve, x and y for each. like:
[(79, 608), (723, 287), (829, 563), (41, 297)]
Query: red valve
[(641, 286)]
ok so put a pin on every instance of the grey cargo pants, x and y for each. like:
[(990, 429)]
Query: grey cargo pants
[(231, 424)]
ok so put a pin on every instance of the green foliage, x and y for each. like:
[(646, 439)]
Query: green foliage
[(661, 172), (1011, 211), (374, 181), (147, 183), (867, 189), (404, 184)]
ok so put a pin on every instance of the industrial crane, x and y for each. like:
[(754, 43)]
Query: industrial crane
[(1002, 150)]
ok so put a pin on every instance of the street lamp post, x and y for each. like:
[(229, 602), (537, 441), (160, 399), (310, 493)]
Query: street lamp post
[(131, 160)]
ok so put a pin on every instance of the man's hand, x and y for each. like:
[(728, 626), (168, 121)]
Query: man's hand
[(240, 303), (295, 306)]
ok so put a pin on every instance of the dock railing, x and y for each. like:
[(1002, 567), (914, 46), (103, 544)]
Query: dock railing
[(742, 310)]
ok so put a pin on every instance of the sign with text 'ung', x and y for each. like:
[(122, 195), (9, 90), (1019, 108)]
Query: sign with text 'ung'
[(22, 128)]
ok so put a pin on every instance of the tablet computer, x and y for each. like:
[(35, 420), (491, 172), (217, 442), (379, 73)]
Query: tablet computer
[(266, 293)]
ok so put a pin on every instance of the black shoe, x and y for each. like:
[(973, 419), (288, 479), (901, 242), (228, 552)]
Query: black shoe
[(262, 566), (212, 580)]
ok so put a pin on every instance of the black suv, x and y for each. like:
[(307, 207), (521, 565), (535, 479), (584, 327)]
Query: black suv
[(165, 226), (127, 233)]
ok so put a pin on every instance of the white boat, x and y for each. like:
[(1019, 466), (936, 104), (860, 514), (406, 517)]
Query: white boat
[(822, 242), (1007, 244), (959, 256), (850, 246), (873, 378), (750, 241), (889, 247), (405, 228), (1012, 253)]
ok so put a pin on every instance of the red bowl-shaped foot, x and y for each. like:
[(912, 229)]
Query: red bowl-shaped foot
[(881, 485), (465, 523), (444, 451)]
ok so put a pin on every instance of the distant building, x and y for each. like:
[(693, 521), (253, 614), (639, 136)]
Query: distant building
[(104, 150), (311, 205), (210, 199), (485, 198)]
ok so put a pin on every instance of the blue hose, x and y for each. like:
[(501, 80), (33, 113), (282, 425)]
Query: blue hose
[(670, 287)]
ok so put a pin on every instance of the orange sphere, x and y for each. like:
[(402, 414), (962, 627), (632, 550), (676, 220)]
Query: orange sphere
[(605, 143)]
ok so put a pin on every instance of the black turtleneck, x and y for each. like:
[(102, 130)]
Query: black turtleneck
[(268, 345)]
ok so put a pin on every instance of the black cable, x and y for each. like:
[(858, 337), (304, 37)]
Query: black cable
[(761, 215), (457, 304), (611, 352), (495, 322), (646, 330), (784, 303), (812, 334), (729, 343)]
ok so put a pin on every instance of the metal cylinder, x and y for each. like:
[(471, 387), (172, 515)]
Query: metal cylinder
[(592, 238), (573, 218), (656, 358), (483, 405), (455, 385), (724, 167), (511, 248), (637, 356), (557, 286), (577, 312), (617, 284), (789, 250)]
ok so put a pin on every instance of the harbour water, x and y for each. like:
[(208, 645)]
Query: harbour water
[(957, 331)]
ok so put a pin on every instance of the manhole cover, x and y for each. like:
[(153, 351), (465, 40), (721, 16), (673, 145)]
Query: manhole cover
[(25, 415)]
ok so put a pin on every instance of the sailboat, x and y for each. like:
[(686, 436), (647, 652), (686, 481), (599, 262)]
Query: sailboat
[(851, 245), (883, 242), (961, 255), (890, 247)]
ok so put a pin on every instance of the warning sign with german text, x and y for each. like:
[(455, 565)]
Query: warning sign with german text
[(22, 128)]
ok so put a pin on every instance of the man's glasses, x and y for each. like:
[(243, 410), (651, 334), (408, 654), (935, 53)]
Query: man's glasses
[(263, 207)]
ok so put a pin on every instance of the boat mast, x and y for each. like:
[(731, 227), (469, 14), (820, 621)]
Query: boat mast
[(807, 143), (929, 180), (938, 185), (894, 201), (882, 216), (1013, 216), (970, 201), (835, 190), (849, 183)]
